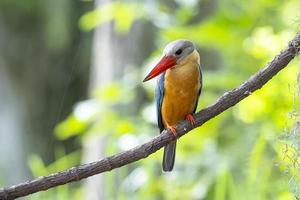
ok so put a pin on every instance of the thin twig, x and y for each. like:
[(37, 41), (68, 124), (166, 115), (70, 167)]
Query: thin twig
[(226, 101)]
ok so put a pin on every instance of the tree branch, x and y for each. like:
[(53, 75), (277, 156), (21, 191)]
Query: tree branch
[(226, 101)]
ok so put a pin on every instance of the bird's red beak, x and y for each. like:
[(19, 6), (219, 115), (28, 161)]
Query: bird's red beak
[(165, 63)]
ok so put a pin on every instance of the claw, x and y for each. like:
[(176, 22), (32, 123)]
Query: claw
[(173, 130), (191, 119)]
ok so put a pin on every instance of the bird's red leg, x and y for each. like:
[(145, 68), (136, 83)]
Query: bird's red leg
[(191, 119), (172, 129)]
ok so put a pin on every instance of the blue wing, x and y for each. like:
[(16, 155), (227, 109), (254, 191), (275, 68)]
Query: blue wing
[(159, 95), (199, 92)]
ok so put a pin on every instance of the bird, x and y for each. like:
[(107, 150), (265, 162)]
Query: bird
[(178, 89)]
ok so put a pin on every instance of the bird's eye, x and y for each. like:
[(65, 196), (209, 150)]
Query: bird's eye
[(178, 52)]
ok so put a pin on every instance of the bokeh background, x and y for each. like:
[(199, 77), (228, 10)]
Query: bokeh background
[(71, 92)]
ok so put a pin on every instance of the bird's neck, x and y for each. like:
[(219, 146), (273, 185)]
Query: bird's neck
[(187, 71), (194, 57)]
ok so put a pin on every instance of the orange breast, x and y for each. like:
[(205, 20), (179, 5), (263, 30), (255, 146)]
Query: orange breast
[(181, 90)]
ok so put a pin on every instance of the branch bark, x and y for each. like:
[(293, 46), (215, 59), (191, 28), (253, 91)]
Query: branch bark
[(226, 101)]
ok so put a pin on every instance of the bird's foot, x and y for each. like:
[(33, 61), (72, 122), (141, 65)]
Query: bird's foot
[(191, 119), (173, 130)]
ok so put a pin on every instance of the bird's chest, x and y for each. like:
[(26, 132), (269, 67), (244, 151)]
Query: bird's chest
[(181, 91)]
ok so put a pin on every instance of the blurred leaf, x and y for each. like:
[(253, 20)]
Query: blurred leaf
[(37, 166), (123, 14), (124, 126), (70, 127), (232, 188), (64, 162), (255, 159), (220, 188), (113, 93)]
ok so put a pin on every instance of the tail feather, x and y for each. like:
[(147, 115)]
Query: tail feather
[(169, 157)]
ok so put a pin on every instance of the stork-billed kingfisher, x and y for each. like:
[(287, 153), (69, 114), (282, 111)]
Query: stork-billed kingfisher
[(178, 90)]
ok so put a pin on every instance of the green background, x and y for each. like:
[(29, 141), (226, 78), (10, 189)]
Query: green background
[(47, 53)]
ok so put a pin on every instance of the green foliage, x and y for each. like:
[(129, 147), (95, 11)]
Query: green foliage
[(98, 116), (123, 15), (70, 127), (233, 156)]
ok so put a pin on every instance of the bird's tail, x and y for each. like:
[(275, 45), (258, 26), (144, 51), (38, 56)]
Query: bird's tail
[(169, 157)]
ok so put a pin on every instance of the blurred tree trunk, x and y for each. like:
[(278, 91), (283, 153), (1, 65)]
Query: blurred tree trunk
[(102, 72), (110, 56), (39, 48), (11, 137)]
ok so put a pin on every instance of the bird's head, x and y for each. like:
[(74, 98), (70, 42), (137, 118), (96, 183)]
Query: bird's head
[(173, 54)]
